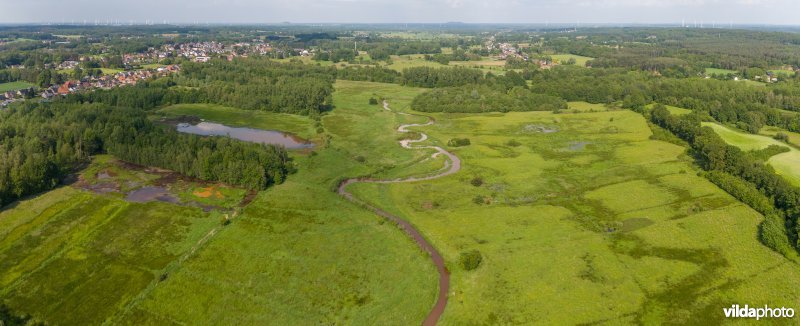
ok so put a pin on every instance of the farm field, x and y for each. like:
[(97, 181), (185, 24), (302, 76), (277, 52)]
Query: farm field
[(786, 164), (13, 86), (579, 60), (593, 223), (415, 60), (399, 63)]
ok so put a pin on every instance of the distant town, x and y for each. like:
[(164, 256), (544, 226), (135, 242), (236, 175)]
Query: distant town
[(147, 60)]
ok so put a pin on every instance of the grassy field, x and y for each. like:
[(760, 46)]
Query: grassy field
[(399, 63), (783, 72), (575, 107), (786, 164), (110, 71), (13, 86), (673, 109), (718, 71), (298, 254), (295, 124), (593, 224), (770, 131), (152, 66), (415, 60), (75, 257), (579, 60)]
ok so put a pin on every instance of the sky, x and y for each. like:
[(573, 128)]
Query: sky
[(585, 12)]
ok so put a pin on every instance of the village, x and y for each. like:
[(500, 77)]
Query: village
[(193, 51), (108, 81)]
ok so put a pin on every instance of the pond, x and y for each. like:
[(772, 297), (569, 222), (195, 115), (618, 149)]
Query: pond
[(246, 134), (147, 194)]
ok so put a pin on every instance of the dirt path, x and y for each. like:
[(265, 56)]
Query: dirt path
[(452, 165)]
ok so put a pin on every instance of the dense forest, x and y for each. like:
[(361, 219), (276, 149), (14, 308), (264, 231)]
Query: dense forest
[(482, 98), (41, 143), (748, 107), (253, 84)]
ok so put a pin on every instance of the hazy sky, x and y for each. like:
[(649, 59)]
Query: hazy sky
[(784, 12)]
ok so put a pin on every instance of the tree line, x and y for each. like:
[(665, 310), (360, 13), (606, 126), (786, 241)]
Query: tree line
[(252, 84), (40, 143), (748, 107), (483, 98), (744, 176)]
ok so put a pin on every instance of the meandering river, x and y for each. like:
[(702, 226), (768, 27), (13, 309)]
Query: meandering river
[(452, 165)]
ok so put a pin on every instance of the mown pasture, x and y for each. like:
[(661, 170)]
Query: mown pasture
[(13, 86), (579, 59), (786, 164)]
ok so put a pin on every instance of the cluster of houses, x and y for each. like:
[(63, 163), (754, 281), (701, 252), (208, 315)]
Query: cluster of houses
[(507, 50), (9, 97), (88, 83), (197, 51), (107, 81)]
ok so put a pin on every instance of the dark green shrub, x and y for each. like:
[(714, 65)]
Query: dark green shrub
[(470, 260), (373, 101), (476, 181), (781, 137), (458, 142)]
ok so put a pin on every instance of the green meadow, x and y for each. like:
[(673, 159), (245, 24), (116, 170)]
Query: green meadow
[(75, 257), (770, 131), (297, 254), (575, 107), (414, 60), (786, 164), (13, 86), (579, 60), (592, 224), (672, 109), (785, 72)]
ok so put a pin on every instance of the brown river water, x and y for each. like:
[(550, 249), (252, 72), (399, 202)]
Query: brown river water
[(452, 165)]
